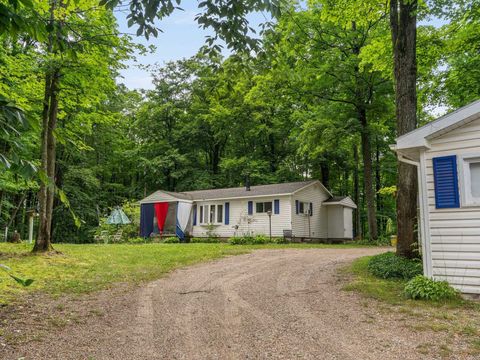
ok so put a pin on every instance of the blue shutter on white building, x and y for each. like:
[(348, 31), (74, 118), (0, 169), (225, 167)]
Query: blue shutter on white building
[(297, 207), (250, 208), (194, 215), (227, 213), (276, 207), (446, 182)]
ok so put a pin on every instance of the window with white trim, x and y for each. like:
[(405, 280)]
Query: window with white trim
[(471, 180), (263, 207), (211, 214)]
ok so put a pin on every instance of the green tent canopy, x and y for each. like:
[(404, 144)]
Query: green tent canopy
[(118, 217)]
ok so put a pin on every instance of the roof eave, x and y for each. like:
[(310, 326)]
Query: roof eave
[(418, 138), (242, 197), (312, 183)]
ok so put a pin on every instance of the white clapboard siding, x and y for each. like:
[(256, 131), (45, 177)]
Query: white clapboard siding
[(248, 224), (315, 194), (454, 239), (460, 247), (455, 255), (456, 272), (458, 280), (461, 264), (454, 233)]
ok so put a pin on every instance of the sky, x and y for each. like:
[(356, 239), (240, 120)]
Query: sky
[(181, 38)]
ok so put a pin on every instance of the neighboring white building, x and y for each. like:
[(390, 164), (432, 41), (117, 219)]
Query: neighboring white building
[(447, 155), (306, 210)]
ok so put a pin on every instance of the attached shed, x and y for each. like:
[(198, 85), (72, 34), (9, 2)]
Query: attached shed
[(447, 155), (340, 217)]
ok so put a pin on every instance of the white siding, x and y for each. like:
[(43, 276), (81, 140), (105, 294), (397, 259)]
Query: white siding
[(249, 224), (317, 223), (348, 222), (454, 233), (336, 228)]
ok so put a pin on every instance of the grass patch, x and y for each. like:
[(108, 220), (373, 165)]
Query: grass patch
[(390, 291), (91, 267), (457, 317)]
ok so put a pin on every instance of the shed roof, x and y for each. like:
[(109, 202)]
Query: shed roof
[(229, 193), (418, 138), (341, 200)]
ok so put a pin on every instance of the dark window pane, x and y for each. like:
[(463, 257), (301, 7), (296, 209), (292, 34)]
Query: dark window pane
[(259, 207), (267, 207), (220, 213)]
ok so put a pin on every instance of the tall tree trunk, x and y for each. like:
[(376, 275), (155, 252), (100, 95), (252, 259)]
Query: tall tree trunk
[(378, 185), (368, 174), (403, 23), (356, 193), (43, 238), (49, 117), (325, 170)]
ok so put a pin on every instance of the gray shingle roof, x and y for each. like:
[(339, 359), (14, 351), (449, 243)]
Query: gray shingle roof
[(237, 192), (258, 190), (336, 199)]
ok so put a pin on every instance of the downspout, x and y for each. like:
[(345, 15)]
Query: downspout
[(422, 192)]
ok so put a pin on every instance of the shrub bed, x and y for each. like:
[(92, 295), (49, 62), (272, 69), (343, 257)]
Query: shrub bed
[(205, 240), (390, 266), (254, 240), (423, 288), (171, 240)]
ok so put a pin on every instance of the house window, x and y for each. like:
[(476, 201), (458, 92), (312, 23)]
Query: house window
[(219, 214), (471, 180), (304, 207), (263, 207), (211, 214)]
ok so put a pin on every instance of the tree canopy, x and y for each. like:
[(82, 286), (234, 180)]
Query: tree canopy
[(316, 99)]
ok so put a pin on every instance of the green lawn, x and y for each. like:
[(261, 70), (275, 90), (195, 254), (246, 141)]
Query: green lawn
[(84, 268), (389, 290), (458, 318)]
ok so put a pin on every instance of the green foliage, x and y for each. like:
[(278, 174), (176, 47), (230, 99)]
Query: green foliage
[(138, 240), (390, 266), (23, 282), (206, 240), (253, 240), (423, 288), (171, 240)]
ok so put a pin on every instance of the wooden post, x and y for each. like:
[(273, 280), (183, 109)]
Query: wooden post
[(30, 227)]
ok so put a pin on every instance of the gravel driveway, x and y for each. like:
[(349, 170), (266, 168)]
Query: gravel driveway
[(270, 304)]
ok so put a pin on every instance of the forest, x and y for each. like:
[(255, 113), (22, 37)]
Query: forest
[(311, 96)]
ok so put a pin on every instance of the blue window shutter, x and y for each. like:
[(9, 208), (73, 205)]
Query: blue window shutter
[(311, 209), (276, 206), (250, 208), (446, 182), (297, 207), (195, 215), (227, 213)]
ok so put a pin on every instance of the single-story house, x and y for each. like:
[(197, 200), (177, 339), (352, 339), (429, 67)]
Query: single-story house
[(305, 210), (447, 155)]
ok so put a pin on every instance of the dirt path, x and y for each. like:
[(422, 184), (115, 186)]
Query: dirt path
[(271, 304)]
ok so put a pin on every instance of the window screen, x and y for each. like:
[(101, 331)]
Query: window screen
[(475, 178)]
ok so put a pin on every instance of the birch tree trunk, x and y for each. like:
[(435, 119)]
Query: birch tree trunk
[(403, 24)]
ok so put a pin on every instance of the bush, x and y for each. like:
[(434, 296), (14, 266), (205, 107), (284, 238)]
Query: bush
[(138, 240), (171, 240), (423, 288), (254, 240), (205, 240), (390, 266)]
